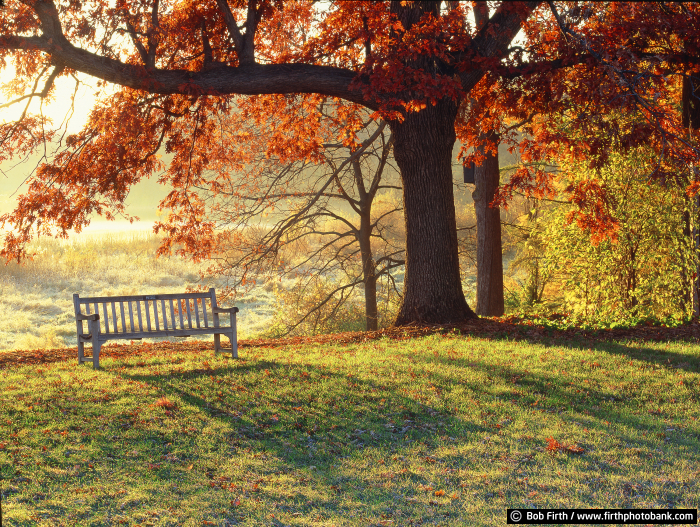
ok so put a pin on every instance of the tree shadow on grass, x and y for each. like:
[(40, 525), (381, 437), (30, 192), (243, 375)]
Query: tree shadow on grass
[(305, 416), (641, 419), (308, 421), (610, 342)]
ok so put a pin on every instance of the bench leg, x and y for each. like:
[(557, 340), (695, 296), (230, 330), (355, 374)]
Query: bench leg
[(95, 331), (96, 355), (233, 337), (81, 351), (234, 342)]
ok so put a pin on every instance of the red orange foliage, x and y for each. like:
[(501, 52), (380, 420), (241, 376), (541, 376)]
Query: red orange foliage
[(609, 73)]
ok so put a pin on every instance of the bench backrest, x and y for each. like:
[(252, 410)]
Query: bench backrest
[(146, 313)]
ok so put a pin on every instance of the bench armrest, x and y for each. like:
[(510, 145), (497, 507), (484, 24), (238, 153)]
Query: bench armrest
[(94, 316), (226, 310)]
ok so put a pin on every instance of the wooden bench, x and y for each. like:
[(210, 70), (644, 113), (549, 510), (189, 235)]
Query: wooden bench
[(150, 316)]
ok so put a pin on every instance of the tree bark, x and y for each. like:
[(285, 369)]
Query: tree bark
[(489, 255), (369, 276), (423, 151)]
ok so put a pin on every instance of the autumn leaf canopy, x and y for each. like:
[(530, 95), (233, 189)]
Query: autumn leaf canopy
[(609, 75)]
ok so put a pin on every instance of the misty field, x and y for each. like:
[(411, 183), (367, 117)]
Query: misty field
[(442, 430), (36, 298)]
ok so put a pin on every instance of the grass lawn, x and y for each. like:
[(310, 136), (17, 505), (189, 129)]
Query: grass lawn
[(437, 430)]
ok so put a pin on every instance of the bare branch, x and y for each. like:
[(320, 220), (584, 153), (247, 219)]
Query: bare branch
[(560, 22), (376, 180), (251, 26), (47, 86), (152, 42), (135, 39), (208, 55)]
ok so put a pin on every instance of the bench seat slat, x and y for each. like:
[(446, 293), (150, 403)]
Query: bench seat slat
[(165, 315), (155, 334), (189, 313), (104, 312), (114, 317), (155, 314), (121, 308)]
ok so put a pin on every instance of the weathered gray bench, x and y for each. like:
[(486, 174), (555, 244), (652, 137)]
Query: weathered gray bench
[(151, 316)]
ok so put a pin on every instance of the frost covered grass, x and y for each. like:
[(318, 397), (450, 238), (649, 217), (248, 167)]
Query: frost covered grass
[(36, 297)]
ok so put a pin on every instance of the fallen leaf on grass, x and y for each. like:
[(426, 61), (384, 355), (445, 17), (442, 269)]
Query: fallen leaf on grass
[(555, 446), (484, 328), (166, 403), (439, 492)]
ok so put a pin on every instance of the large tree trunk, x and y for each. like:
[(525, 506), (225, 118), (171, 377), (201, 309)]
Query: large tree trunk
[(423, 151), (489, 255), (368, 271)]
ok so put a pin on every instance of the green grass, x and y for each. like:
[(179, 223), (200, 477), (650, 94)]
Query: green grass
[(441, 430)]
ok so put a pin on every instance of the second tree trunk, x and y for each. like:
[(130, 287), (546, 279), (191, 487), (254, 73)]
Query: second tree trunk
[(489, 256)]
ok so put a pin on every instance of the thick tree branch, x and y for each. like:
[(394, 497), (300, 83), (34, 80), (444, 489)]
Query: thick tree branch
[(544, 66), (245, 56), (208, 54), (494, 38), (247, 79), (251, 26), (152, 41), (223, 80), (481, 13)]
